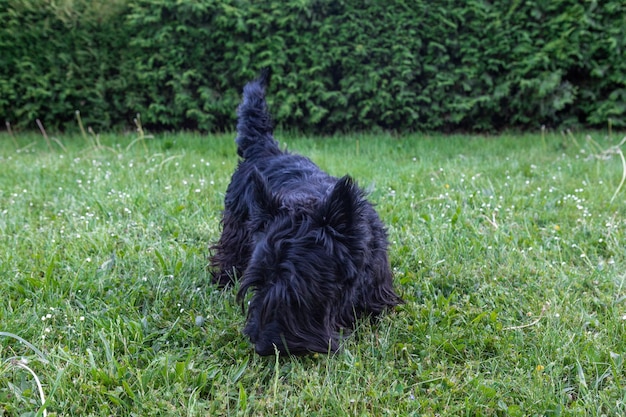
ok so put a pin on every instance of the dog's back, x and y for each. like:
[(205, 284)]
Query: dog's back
[(290, 175)]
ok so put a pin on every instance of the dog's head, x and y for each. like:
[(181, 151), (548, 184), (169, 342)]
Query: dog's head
[(303, 265)]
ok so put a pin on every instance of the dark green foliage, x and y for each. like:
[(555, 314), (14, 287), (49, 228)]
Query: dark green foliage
[(338, 65), (58, 59)]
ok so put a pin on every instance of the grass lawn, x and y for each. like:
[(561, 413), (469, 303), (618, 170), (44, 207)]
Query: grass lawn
[(509, 251)]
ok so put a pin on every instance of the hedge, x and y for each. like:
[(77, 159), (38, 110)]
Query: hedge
[(338, 65)]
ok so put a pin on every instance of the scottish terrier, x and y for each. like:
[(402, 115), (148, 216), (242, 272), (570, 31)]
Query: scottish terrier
[(309, 245)]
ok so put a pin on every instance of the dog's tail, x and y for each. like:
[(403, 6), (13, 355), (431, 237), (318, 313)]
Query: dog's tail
[(254, 122)]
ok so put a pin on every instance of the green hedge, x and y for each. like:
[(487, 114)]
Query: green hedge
[(338, 65), (56, 60)]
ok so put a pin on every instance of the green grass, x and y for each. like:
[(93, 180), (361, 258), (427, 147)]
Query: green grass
[(508, 251)]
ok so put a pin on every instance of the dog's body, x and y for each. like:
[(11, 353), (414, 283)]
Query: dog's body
[(310, 246)]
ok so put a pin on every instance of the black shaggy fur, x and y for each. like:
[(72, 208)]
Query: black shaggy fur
[(309, 245)]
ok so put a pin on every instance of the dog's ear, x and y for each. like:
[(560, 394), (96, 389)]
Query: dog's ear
[(342, 204), (261, 199)]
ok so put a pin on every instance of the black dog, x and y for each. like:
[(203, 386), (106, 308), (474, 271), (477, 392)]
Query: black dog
[(310, 246)]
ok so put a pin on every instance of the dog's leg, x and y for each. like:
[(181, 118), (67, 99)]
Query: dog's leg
[(231, 253)]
